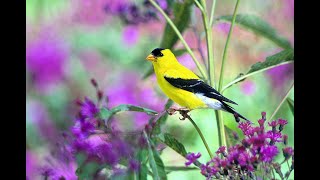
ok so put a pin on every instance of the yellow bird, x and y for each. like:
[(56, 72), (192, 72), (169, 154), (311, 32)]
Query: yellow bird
[(184, 87)]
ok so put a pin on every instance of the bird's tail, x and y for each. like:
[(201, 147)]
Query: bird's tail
[(235, 113)]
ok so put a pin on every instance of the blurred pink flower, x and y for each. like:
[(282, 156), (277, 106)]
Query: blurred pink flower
[(223, 27), (130, 35), (45, 59), (280, 74), (248, 87)]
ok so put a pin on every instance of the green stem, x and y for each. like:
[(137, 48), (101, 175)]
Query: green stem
[(222, 134), (227, 45), (201, 135), (212, 12), (208, 31), (221, 129), (203, 73), (250, 74), (282, 101)]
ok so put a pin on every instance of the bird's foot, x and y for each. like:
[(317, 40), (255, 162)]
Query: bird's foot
[(184, 114), (182, 111)]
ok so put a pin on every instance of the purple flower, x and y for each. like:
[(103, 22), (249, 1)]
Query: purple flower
[(274, 136), (282, 122), (257, 141), (273, 123), (221, 150), (287, 152), (45, 59), (208, 170), (191, 157), (134, 165), (88, 108), (106, 153), (246, 128), (261, 122), (268, 153), (82, 129), (243, 159)]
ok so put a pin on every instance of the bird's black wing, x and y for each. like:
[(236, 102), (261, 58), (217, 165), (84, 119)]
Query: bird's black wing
[(197, 86)]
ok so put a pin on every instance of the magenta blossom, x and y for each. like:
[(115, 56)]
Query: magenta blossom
[(191, 157), (253, 153)]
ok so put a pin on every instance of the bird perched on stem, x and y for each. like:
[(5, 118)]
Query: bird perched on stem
[(184, 87)]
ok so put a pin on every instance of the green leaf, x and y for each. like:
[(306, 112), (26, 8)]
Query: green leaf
[(85, 170), (180, 168), (174, 144), (142, 157), (258, 26), (283, 57), (229, 137), (182, 14), (155, 161), (291, 105), (106, 114)]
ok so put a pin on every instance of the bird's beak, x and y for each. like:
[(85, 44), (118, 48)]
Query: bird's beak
[(150, 57)]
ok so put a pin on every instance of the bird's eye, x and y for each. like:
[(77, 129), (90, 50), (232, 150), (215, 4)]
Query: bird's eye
[(157, 52)]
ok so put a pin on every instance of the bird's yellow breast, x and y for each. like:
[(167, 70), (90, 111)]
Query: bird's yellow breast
[(182, 97)]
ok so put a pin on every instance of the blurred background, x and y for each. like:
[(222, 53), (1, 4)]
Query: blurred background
[(70, 42)]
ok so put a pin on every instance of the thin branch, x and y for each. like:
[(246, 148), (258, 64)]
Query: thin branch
[(282, 101)]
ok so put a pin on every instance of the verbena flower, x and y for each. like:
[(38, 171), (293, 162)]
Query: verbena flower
[(255, 152), (191, 157), (88, 108)]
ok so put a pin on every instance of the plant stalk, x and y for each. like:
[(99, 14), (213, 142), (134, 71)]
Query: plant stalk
[(201, 135), (282, 101), (221, 129), (208, 31)]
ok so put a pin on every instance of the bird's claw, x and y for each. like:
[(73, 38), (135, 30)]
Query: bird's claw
[(182, 111), (184, 114), (171, 111)]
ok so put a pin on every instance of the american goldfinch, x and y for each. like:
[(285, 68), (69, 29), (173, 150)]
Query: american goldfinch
[(184, 87)]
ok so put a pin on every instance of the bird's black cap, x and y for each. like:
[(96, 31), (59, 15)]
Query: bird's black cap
[(157, 52)]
